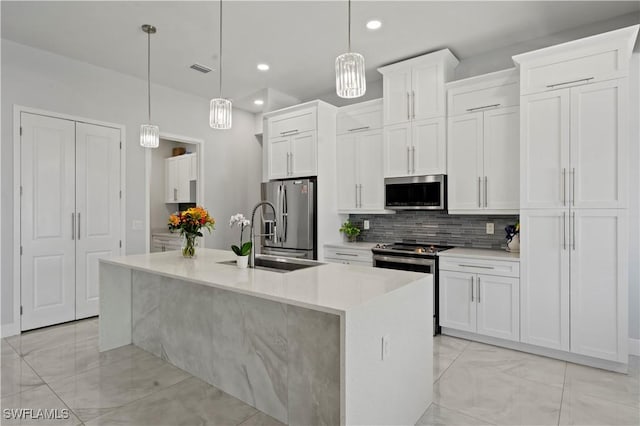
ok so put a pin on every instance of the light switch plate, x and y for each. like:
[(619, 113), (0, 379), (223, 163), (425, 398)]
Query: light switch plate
[(490, 228), (366, 225), (137, 225)]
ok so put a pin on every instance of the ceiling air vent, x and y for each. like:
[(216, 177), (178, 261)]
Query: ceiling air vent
[(202, 68)]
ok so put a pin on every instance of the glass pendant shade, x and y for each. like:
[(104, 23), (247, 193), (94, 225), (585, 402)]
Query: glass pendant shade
[(350, 78), (149, 136), (220, 114)]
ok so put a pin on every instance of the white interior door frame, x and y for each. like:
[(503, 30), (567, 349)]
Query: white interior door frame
[(147, 179), (14, 328)]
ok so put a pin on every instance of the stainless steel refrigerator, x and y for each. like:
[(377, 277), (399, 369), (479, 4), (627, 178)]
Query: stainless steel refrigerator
[(295, 205)]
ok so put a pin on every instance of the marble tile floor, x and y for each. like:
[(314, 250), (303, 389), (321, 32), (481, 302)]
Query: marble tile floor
[(474, 384)]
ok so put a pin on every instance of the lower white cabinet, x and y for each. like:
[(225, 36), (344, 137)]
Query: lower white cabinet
[(349, 254), (478, 302), (165, 241)]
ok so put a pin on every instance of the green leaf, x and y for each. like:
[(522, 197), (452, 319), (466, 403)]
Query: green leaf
[(236, 250), (246, 248)]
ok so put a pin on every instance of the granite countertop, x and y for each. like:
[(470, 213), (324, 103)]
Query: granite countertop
[(475, 253), (330, 287)]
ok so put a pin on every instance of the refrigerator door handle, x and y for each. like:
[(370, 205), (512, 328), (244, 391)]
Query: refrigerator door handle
[(284, 212), (276, 236)]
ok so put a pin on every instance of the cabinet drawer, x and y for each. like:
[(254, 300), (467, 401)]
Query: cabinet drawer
[(359, 120), (348, 262), (349, 254), (292, 123), (480, 266), (463, 102)]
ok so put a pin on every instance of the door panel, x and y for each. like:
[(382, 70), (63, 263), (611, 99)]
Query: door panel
[(465, 162), (430, 147), (346, 161), (370, 167), (171, 178), (544, 278), (97, 207), (498, 300), (502, 158), (545, 150), (397, 145), (457, 309), (396, 88), (47, 220), (278, 158), (297, 224), (598, 145), (428, 98), (599, 284), (303, 154)]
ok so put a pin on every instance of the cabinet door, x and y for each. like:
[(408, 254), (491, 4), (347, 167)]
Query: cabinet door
[(599, 295), (193, 168), (184, 173), (279, 158), (370, 171), (346, 172), (465, 162), (457, 300), (397, 150), (598, 145), (171, 179), (498, 300), (396, 91), (502, 159), (544, 278), (544, 144), (303, 154), (427, 93), (429, 147)]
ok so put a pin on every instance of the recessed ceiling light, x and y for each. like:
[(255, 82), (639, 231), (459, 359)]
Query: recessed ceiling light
[(263, 67), (374, 24), (258, 102)]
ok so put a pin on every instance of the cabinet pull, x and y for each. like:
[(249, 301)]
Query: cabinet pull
[(289, 131), (413, 104), (564, 230), (358, 128), (413, 159), (569, 82), (360, 196), (408, 160), (356, 185), (475, 266), (408, 108), (564, 186), (291, 168), (479, 196), (347, 254), (485, 192), (483, 107), (73, 226), (175, 194), (573, 186), (573, 240), (472, 288), (478, 289), (78, 226)]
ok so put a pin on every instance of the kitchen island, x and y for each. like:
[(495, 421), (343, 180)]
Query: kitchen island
[(329, 344)]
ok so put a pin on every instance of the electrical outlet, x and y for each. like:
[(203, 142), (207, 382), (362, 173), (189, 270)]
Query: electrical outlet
[(366, 224), (386, 347), (490, 228), (137, 225)]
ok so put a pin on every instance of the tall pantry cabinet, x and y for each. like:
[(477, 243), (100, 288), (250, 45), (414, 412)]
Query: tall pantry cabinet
[(573, 195)]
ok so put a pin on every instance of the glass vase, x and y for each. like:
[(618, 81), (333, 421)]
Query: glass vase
[(189, 245)]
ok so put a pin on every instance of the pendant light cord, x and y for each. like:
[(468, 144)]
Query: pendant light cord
[(149, 72), (349, 26), (220, 75)]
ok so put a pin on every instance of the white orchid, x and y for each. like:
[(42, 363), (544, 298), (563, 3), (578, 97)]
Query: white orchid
[(242, 222), (239, 220)]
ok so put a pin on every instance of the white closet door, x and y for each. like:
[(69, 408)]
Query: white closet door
[(47, 215), (98, 209)]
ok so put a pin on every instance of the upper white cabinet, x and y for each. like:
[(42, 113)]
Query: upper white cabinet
[(414, 110), (180, 171), (360, 179), (483, 144)]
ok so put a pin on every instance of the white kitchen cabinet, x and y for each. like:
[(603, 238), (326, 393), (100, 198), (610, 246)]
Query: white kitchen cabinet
[(349, 254), (179, 174), (414, 108), (165, 241), (483, 145), (574, 282), (481, 297), (293, 156)]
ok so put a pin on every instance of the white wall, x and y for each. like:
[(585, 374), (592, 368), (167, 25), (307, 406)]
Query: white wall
[(39, 79)]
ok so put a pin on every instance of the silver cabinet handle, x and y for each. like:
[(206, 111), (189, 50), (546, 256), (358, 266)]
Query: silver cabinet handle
[(573, 240), (413, 159), (472, 288), (475, 266), (289, 131), (483, 107), (408, 160), (291, 157), (408, 108), (358, 128), (413, 104), (479, 196), (564, 231), (564, 186), (73, 226), (573, 186), (287, 164), (356, 200), (478, 289), (78, 226), (485, 192), (346, 254), (360, 196), (175, 194), (569, 82)]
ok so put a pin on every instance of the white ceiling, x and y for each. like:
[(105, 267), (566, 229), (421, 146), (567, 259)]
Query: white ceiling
[(299, 39)]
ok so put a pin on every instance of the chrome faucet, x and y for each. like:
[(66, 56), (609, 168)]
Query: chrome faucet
[(252, 256)]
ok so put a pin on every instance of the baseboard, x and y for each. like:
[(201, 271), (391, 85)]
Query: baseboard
[(634, 346), (10, 329)]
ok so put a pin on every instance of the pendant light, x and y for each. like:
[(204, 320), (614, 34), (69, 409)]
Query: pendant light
[(220, 108), (350, 77), (149, 134)]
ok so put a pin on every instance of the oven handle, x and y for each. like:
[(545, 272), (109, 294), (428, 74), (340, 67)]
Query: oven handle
[(407, 260)]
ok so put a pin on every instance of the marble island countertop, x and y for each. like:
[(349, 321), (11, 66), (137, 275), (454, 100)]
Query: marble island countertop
[(332, 288)]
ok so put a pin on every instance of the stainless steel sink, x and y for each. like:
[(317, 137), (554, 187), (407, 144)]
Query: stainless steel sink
[(279, 264)]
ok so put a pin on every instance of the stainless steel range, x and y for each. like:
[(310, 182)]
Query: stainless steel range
[(409, 255)]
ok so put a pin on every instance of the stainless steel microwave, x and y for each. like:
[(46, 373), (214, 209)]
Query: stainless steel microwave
[(416, 193)]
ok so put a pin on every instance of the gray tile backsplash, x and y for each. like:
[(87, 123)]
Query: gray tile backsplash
[(435, 227)]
